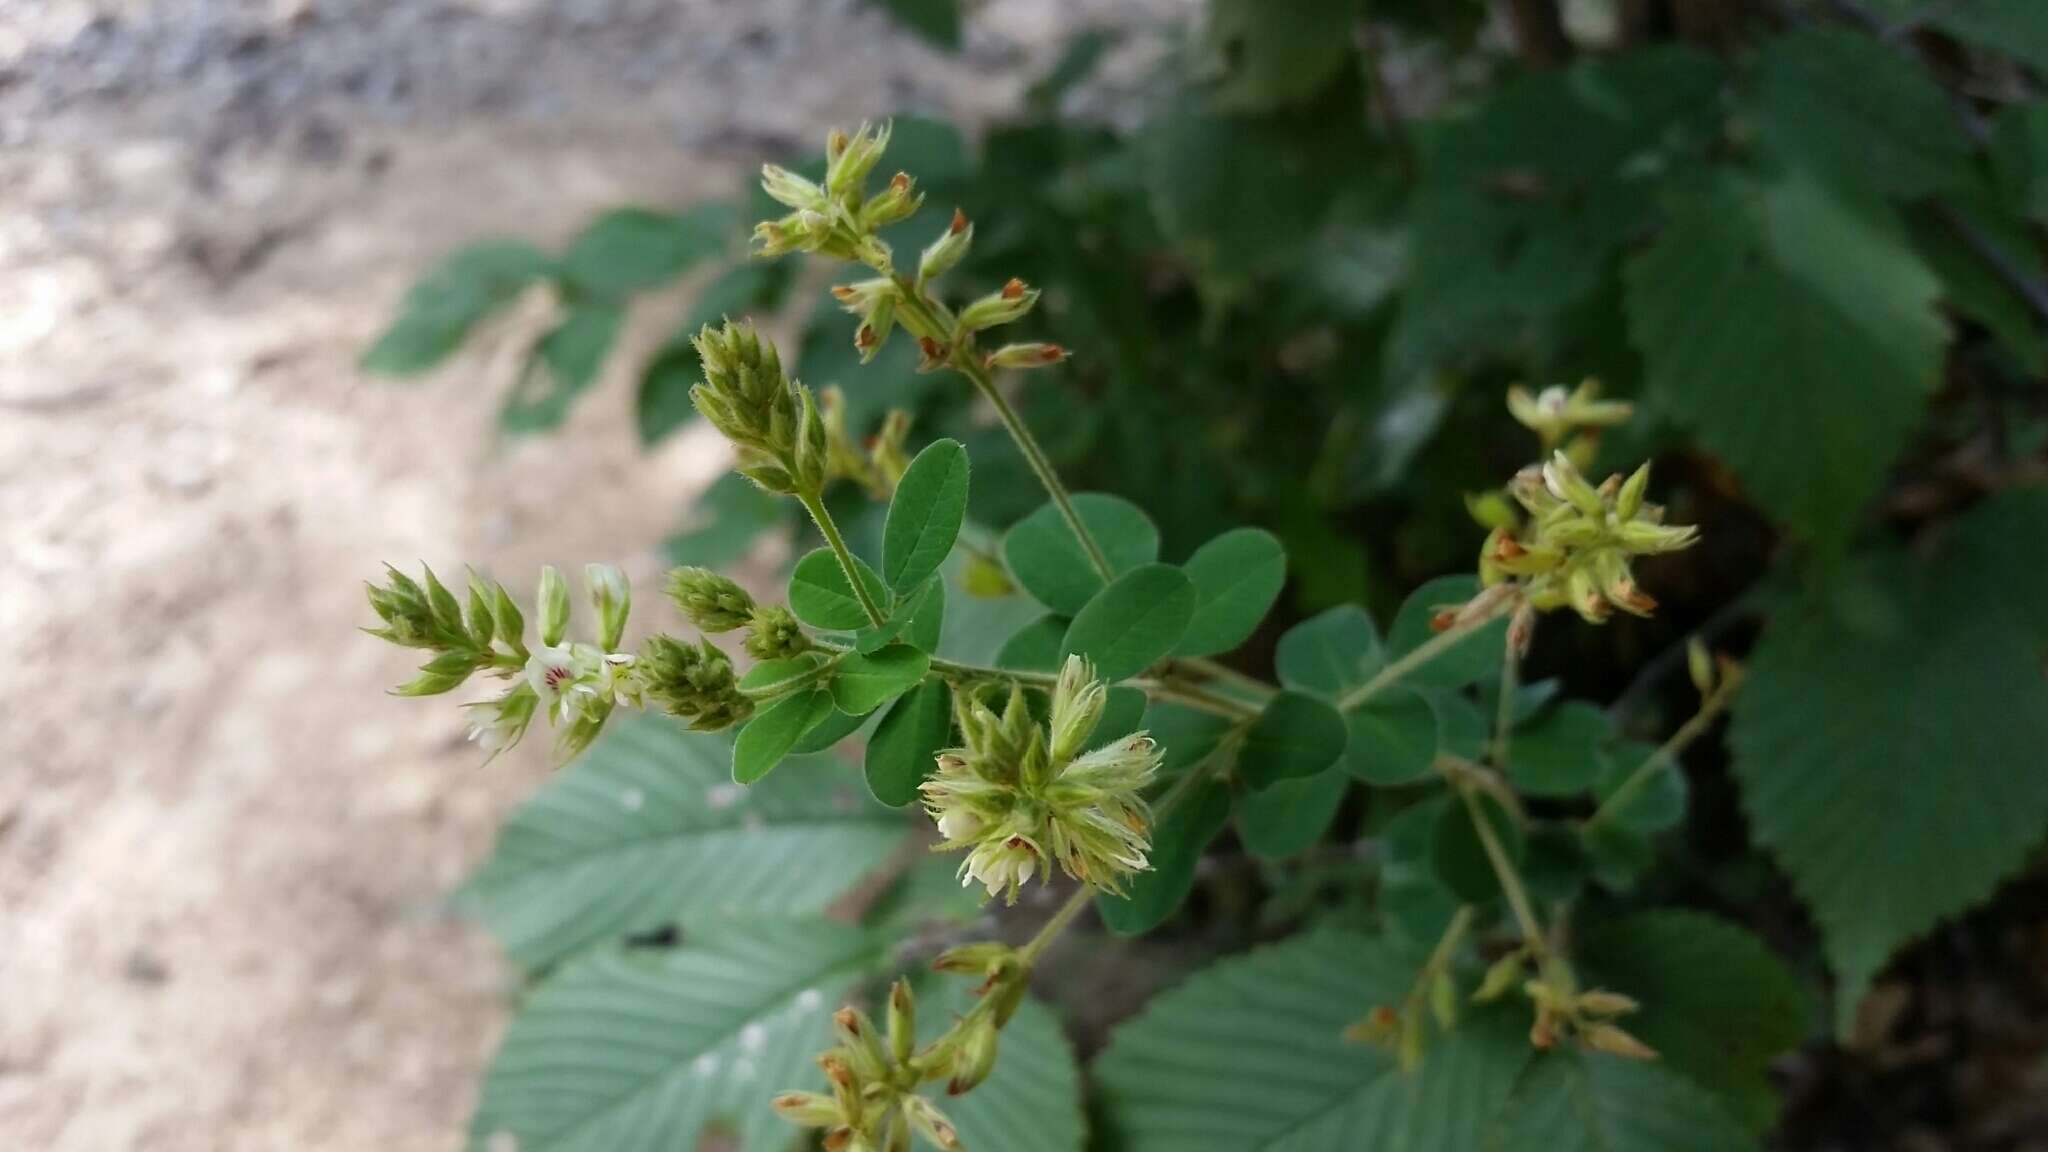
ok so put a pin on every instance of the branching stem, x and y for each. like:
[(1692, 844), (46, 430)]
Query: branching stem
[(815, 505)]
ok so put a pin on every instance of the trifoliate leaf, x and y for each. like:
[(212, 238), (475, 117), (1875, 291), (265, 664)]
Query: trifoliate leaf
[(863, 683), (1776, 297), (1418, 906), (647, 827), (1296, 735), (821, 597), (1859, 114), (1134, 622), (1473, 656), (1286, 817), (645, 1051), (1049, 562), (1237, 577), (901, 753), (774, 732), (1248, 1055), (1658, 804), (1889, 737), (1559, 755), (830, 731), (1458, 854), (1393, 738), (1716, 1004), (1329, 654), (1036, 646), (925, 514), (1575, 1101)]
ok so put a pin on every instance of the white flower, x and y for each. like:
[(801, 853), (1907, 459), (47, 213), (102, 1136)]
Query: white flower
[(1001, 865), (958, 824), (499, 724), (568, 677)]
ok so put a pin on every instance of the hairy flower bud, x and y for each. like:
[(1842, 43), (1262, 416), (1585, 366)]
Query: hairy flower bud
[(896, 203), (554, 605), (712, 602), (1026, 356), (807, 1109), (942, 254), (976, 1057), (1012, 303), (774, 634), (848, 165), (694, 682), (1077, 702), (611, 597), (791, 190)]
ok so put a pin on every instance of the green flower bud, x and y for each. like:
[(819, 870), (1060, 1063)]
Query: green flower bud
[(695, 683), (849, 160), (612, 599), (554, 606), (791, 190), (774, 634), (945, 252), (712, 602), (898, 202), (1007, 306), (902, 1021), (925, 1117), (807, 1109), (976, 1056), (1077, 702), (1026, 356)]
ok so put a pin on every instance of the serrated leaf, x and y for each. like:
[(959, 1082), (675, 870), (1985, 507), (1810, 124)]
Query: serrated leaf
[(629, 250), (1888, 739), (1237, 577), (1286, 817), (1473, 657), (441, 308), (1716, 1004), (1393, 738), (865, 682), (1859, 114), (925, 514), (1134, 622), (1179, 836), (1049, 563), (821, 597), (646, 828), (775, 730), (1774, 297), (1589, 1102), (1330, 653), (900, 755), (1248, 1055), (643, 1051), (1295, 735), (1558, 755)]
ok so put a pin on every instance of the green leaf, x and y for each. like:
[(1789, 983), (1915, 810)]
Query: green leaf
[(900, 755), (648, 1051), (1178, 840), (925, 514), (1186, 736), (1716, 1004), (742, 290), (1134, 622), (1774, 297), (775, 730), (629, 250), (565, 363), (1286, 817), (1123, 711), (1049, 563), (1474, 657), (1859, 114), (1589, 1102), (460, 292), (1266, 63), (1458, 855), (1418, 906), (1248, 1055), (1889, 738), (1237, 577), (1393, 738), (936, 20), (865, 682), (646, 828), (774, 677), (1559, 755), (1329, 654), (1036, 646), (1294, 736), (834, 728), (2019, 158), (927, 617), (1658, 805), (1971, 286), (821, 597)]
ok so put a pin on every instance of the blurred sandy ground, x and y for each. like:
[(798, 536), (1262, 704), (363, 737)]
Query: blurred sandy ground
[(222, 848)]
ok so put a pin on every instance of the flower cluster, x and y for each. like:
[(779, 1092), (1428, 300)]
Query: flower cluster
[(1018, 798), (716, 603), (772, 421), (873, 1105), (1576, 546)]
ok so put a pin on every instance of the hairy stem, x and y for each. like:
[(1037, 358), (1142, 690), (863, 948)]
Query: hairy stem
[(1061, 919), (815, 505)]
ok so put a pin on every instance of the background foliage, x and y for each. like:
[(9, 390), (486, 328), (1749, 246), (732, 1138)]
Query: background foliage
[(1805, 238)]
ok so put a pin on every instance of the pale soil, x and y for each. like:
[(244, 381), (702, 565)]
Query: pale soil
[(223, 851)]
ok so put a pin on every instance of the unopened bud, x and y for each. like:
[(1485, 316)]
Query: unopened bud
[(1630, 500), (948, 250), (902, 1021), (612, 598), (931, 1123), (1026, 356), (1600, 1002), (1612, 1040), (1007, 306), (714, 603), (897, 202), (1499, 979), (1077, 702), (848, 167), (976, 1057), (1443, 1000), (807, 1109), (553, 598), (1699, 664), (773, 633), (791, 190)]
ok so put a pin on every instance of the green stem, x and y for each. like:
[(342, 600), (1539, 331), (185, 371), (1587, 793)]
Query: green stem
[(1215, 671), (1173, 691), (1504, 871), (1427, 651), (815, 505), (1200, 698), (1041, 465), (1061, 919), (1665, 756), (1504, 712)]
